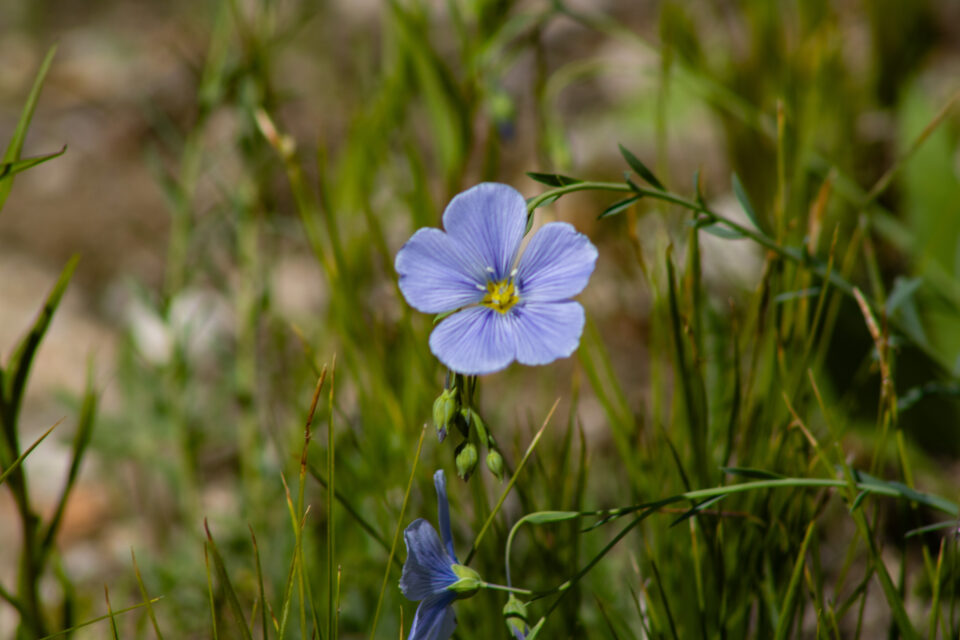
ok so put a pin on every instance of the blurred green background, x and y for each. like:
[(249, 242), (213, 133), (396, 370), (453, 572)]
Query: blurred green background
[(240, 174)]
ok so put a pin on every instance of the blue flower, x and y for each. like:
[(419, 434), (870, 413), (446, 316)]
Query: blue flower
[(432, 573), (507, 308)]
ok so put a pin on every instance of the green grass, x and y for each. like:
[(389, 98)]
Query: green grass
[(716, 461)]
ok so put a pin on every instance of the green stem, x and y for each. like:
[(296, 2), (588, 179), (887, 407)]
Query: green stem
[(649, 508), (501, 587)]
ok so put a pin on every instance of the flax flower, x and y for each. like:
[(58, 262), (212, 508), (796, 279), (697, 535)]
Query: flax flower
[(502, 307), (432, 573)]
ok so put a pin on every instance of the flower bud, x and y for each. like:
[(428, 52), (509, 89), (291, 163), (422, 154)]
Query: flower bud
[(467, 460), (495, 463), (515, 615), (444, 410), (468, 582)]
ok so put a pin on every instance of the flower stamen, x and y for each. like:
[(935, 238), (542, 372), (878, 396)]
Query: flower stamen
[(501, 296)]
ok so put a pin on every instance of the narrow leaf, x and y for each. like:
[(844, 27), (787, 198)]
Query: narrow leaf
[(15, 145), (640, 168), (227, 586), (23, 456), (617, 207), (18, 367), (787, 608), (543, 517), (741, 194), (8, 169), (552, 179), (726, 233)]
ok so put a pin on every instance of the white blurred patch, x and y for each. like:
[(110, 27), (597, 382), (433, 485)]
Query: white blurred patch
[(726, 263), (198, 319)]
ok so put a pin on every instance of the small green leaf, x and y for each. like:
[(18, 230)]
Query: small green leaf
[(8, 169), (741, 194), (948, 524), (640, 169), (859, 500), (618, 206), (719, 231), (903, 291), (553, 179)]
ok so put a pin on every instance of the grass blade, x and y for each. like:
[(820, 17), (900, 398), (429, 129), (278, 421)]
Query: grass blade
[(232, 600), (788, 606), (15, 146), (396, 534), (23, 456), (146, 598), (18, 368)]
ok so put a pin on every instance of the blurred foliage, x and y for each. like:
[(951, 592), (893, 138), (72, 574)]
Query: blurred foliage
[(323, 135)]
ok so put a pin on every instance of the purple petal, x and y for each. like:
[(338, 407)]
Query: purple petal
[(443, 506), (489, 219), (475, 341), (546, 331), (427, 569), (435, 619), (436, 275), (556, 264)]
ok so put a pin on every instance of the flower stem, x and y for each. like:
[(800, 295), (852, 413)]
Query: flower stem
[(502, 587)]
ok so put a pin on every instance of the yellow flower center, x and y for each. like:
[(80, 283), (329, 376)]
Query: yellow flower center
[(500, 296)]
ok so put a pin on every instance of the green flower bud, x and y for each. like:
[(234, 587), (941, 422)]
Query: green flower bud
[(495, 463), (469, 581), (467, 460), (444, 410), (515, 615)]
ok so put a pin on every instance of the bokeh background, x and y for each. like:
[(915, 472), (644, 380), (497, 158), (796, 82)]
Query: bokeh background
[(240, 174)]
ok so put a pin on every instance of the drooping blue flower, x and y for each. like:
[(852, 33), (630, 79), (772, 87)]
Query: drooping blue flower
[(432, 573), (507, 308)]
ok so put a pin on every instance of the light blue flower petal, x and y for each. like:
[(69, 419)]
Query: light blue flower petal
[(443, 506), (546, 331), (556, 264), (435, 274), (435, 619), (489, 219), (427, 569), (475, 341)]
